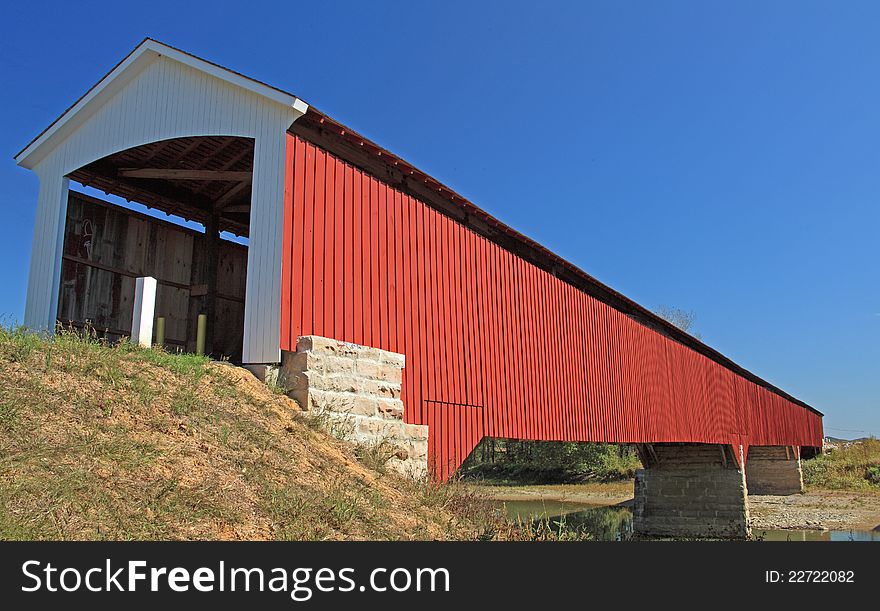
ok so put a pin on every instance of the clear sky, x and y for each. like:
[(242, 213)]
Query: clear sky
[(721, 157)]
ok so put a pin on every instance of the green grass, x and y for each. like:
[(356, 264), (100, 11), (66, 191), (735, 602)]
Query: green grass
[(375, 456), (854, 467), (506, 462), (553, 529)]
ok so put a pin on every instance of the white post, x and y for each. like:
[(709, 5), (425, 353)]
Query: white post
[(144, 307), (262, 297), (41, 307)]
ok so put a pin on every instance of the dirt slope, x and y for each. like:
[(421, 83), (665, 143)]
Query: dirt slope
[(101, 442)]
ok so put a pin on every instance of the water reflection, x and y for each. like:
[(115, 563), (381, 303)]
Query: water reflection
[(614, 523), (604, 523)]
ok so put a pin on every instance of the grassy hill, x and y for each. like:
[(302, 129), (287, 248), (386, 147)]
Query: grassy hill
[(853, 465), (118, 442)]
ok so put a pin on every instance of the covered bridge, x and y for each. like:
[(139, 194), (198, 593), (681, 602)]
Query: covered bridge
[(384, 296)]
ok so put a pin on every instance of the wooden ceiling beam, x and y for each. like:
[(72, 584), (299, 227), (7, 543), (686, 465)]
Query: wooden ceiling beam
[(156, 194), (246, 151), (239, 208), (161, 188), (226, 199), (171, 174)]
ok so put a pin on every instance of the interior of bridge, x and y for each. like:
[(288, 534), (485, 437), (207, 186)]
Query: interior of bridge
[(204, 180)]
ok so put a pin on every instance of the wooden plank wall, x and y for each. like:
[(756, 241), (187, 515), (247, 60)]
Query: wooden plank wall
[(494, 345), (106, 247)]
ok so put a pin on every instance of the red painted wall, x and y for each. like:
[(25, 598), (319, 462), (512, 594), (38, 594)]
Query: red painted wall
[(494, 345)]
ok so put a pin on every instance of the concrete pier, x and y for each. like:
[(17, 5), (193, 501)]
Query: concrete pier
[(690, 490), (774, 470)]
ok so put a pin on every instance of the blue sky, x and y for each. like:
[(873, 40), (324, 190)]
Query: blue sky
[(719, 157)]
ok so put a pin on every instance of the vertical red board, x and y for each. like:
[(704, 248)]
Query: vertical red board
[(330, 204), (318, 248), (346, 275), (308, 248), (287, 243), (339, 242)]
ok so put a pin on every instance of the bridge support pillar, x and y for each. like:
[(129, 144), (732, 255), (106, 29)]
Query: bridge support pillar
[(774, 470), (690, 490), (355, 392)]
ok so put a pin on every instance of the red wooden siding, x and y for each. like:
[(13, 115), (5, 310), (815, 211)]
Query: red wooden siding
[(494, 345)]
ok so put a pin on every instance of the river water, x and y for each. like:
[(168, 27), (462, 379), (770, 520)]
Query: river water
[(614, 523)]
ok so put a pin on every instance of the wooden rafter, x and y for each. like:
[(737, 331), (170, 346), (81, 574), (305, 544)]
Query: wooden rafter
[(158, 148), (228, 143), (241, 155), (239, 208), (191, 147), (174, 174), (231, 163), (224, 200), (184, 177)]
